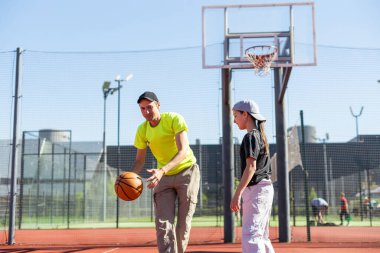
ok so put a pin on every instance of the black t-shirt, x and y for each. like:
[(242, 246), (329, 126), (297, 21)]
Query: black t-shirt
[(253, 146)]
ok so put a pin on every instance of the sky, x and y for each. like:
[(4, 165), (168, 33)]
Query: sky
[(133, 26), (114, 25)]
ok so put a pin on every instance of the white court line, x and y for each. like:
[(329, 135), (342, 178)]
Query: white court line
[(110, 250)]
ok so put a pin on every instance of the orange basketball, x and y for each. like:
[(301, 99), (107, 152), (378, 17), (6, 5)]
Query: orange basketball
[(128, 186)]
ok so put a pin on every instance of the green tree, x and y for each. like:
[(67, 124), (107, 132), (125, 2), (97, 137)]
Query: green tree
[(312, 193)]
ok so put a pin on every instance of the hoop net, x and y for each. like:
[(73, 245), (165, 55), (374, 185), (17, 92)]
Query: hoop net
[(261, 57)]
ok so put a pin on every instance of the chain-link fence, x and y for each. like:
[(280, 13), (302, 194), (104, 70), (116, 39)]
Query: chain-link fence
[(62, 181)]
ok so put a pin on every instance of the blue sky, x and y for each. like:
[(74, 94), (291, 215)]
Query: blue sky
[(117, 25), (53, 25)]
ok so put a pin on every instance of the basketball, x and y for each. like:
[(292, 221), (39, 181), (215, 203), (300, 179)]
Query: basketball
[(128, 186)]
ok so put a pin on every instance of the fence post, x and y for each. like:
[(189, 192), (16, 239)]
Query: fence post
[(13, 190), (306, 180)]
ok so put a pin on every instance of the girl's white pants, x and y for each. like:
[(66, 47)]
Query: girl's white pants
[(257, 205)]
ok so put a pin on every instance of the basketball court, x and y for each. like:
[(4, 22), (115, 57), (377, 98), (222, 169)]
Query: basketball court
[(267, 50)]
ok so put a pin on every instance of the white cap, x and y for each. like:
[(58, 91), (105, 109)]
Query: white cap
[(251, 107)]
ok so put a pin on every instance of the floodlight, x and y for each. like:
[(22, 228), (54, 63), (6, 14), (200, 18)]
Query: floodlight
[(117, 78), (106, 85), (129, 77)]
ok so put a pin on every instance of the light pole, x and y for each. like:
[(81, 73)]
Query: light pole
[(323, 140), (356, 120), (360, 175), (106, 91), (119, 80), (327, 195)]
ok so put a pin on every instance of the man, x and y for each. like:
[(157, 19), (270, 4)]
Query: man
[(176, 177), (344, 209), (366, 206), (319, 207)]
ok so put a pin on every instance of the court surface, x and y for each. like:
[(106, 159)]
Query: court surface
[(203, 239), (221, 248)]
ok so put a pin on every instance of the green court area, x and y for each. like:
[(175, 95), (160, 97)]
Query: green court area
[(198, 221)]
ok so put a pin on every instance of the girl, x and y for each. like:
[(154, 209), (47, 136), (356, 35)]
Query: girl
[(255, 187)]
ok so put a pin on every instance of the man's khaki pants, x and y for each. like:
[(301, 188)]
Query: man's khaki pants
[(182, 187)]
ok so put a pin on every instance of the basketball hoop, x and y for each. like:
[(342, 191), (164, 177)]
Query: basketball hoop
[(261, 58)]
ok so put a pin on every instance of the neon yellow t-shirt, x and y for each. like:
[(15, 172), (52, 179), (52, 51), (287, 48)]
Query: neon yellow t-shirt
[(161, 140)]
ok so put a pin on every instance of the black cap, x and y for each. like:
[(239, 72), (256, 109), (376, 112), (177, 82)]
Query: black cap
[(148, 95)]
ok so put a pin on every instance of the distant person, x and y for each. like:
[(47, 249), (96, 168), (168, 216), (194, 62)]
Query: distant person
[(255, 187), (344, 209), (366, 206), (319, 207)]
